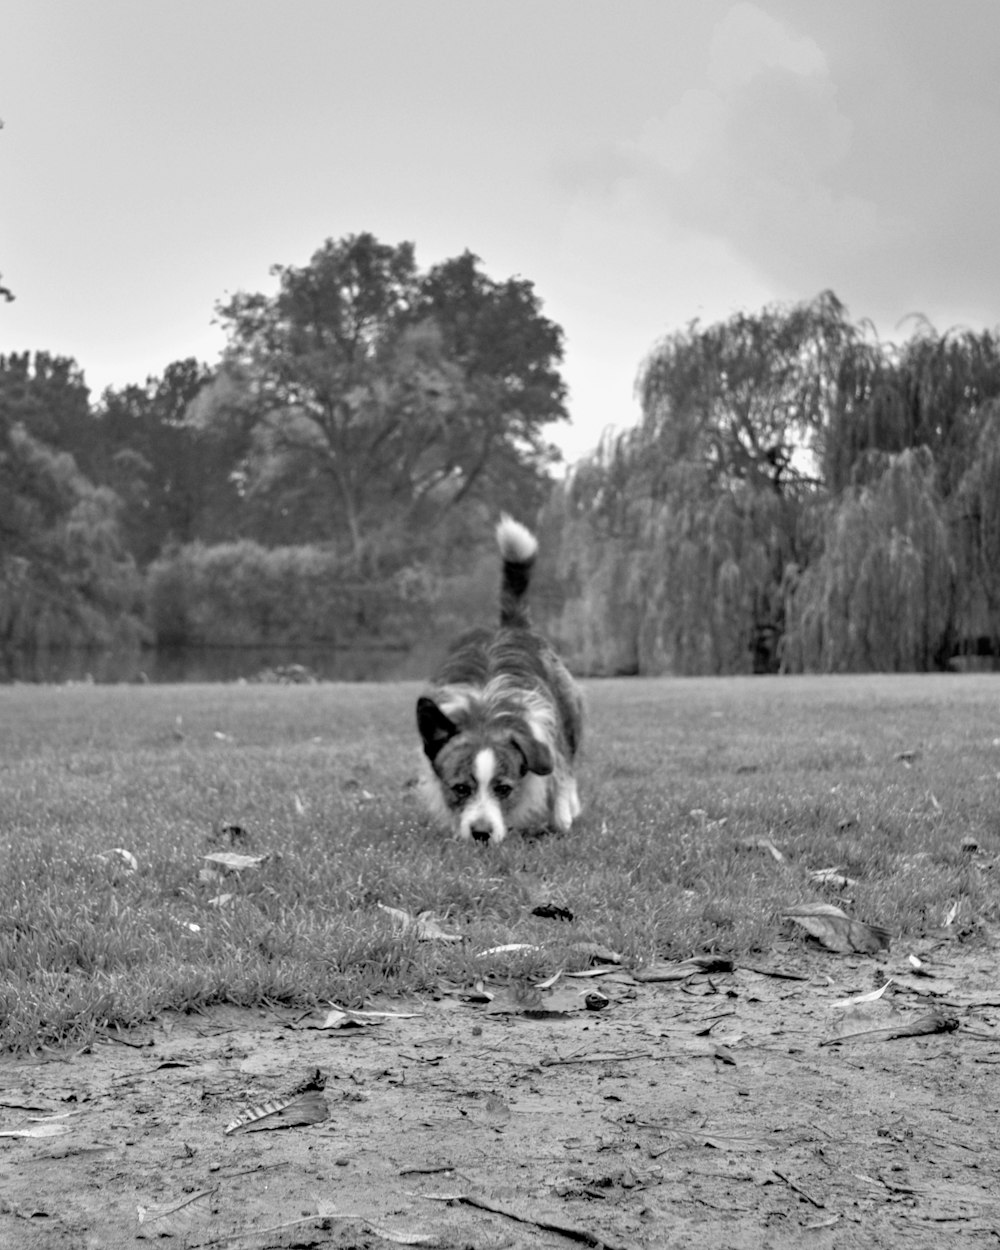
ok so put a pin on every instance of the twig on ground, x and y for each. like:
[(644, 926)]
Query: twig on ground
[(931, 1022), (605, 1057), (817, 1202), (550, 1226)]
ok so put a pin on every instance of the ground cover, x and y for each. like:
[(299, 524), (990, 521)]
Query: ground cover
[(155, 989)]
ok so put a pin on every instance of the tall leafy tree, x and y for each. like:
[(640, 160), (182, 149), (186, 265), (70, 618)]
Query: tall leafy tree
[(65, 576), (382, 398), (49, 397)]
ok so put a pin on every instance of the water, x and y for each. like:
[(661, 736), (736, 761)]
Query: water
[(213, 664)]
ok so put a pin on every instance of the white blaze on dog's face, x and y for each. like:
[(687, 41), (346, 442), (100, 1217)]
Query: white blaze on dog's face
[(486, 784), (482, 787)]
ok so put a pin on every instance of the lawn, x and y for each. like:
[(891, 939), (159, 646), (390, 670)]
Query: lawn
[(686, 784)]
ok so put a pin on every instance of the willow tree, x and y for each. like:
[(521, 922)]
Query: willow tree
[(715, 484), (748, 398), (977, 541), (929, 392), (880, 596)]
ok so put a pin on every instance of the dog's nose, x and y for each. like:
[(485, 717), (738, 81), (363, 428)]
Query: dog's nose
[(481, 835)]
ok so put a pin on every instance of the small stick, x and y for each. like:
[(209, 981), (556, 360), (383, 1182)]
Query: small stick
[(549, 1226), (798, 1189), (604, 1058)]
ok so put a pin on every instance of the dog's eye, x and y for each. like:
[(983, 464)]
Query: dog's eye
[(503, 789), (461, 792)]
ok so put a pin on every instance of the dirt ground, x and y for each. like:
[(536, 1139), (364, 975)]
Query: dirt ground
[(697, 1112)]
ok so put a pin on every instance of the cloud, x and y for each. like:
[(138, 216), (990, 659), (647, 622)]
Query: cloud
[(753, 156), (820, 162)]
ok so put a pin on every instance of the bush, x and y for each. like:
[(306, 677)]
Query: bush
[(243, 594)]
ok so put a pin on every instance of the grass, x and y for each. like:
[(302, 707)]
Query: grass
[(679, 779)]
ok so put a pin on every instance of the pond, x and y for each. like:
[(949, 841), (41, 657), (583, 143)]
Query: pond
[(214, 664)]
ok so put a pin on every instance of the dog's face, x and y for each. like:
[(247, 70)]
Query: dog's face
[(488, 779)]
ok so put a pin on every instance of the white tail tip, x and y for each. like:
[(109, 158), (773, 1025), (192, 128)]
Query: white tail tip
[(516, 542)]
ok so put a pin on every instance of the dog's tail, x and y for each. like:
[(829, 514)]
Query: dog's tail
[(518, 548)]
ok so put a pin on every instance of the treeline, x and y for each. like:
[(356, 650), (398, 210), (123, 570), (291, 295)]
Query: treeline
[(319, 483), (797, 497)]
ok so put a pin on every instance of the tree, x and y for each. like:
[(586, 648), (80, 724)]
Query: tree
[(64, 574), (977, 541), (381, 399), (749, 397), (177, 481), (49, 397), (880, 595)]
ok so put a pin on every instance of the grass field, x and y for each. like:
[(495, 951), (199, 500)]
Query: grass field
[(881, 777)]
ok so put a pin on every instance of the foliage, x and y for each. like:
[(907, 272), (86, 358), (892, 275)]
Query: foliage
[(65, 576), (977, 534), (746, 396), (241, 593), (796, 494), (176, 480), (380, 398), (880, 596)]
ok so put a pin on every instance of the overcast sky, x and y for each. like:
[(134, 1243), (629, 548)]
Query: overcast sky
[(642, 162)]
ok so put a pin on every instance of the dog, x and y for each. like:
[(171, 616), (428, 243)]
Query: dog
[(503, 720)]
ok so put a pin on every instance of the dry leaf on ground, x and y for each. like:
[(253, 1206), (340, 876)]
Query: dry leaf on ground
[(231, 861), (835, 930), (680, 970)]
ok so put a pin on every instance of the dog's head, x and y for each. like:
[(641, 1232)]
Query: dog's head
[(488, 774)]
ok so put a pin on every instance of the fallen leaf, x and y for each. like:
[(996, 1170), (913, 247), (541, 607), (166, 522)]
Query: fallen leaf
[(552, 911), (529, 1000), (508, 949), (832, 877), (871, 997), (680, 970), (231, 861), (343, 1018), (835, 930), (176, 1220)]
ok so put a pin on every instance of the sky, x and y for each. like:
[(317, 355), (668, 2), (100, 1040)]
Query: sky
[(643, 163)]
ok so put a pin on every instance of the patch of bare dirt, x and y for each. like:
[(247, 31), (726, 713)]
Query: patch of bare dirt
[(691, 1112)]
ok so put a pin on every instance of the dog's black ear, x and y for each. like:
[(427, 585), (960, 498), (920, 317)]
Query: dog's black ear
[(435, 728), (537, 756)]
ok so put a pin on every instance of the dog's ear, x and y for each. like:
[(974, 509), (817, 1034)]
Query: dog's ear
[(435, 728), (537, 756)]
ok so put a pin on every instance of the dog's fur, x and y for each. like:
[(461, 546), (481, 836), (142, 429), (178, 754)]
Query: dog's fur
[(503, 721)]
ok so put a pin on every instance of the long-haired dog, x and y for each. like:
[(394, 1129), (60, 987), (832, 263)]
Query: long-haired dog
[(503, 721)]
